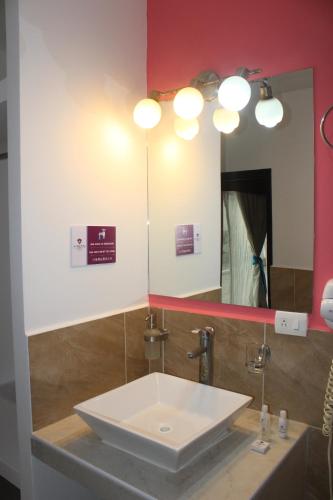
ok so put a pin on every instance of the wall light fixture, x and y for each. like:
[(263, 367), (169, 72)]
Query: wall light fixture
[(269, 110), (186, 129), (233, 93), (188, 103), (147, 113), (226, 121)]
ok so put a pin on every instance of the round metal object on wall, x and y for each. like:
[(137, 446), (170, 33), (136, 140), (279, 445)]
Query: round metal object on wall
[(322, 127)]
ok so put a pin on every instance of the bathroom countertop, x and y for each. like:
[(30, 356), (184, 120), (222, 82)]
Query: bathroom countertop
[(229, 471)]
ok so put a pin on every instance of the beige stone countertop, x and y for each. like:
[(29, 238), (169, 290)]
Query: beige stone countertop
[(228, 471)]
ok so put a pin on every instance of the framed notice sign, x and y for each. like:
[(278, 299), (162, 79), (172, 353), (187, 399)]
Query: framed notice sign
[(188, 239), (91, 245)]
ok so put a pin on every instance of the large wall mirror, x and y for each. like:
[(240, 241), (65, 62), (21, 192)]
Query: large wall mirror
[(231, 215)]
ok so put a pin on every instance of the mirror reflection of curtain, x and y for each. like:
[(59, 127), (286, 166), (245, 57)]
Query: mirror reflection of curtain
[(253, 207), (240, 275), (237, 268)]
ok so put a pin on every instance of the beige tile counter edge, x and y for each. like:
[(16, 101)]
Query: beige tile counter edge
[(72, 448)]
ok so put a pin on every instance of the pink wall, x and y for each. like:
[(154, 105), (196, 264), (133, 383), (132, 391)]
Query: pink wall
[(188, 36)]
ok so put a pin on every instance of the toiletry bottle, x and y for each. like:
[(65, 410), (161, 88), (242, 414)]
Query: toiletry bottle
[(283, 424), (265, 430)]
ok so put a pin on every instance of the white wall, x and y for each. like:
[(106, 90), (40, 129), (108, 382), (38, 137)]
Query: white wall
[(20, 342), (6, 341), (83, 161), (74, 75), (9, 461), (184, 188), (288, 151), (9, 449)]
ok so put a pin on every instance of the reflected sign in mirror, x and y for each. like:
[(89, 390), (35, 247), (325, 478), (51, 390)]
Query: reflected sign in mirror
[(250, 192)]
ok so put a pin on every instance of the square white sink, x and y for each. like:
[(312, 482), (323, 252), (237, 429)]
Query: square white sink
[(163, 419)]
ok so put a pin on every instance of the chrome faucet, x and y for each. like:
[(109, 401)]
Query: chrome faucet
[(205, 351)]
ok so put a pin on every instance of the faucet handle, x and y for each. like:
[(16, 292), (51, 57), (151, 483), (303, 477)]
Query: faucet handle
[(208, 331)]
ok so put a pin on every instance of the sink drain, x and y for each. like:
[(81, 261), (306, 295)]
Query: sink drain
[(165, 428)]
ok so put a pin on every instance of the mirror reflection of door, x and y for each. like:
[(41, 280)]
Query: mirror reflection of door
[(247, 237)]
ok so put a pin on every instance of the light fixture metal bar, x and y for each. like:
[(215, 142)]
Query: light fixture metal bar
[(207, 82)]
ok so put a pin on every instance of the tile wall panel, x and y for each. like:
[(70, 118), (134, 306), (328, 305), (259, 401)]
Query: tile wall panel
[(72, 364)]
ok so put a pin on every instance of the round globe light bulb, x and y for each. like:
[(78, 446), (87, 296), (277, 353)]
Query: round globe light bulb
[(269, 112), (225, 121), (234, 93), (186, 129), (147, 113), (188, 103)]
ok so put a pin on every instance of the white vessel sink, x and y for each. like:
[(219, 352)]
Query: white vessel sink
[(163, 419)]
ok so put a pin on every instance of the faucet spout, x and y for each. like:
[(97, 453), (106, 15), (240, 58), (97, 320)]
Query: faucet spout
[(196, 353), (205, 353)]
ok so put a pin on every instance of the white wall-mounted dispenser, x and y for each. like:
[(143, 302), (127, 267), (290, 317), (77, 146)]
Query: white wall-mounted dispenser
[(326, 308)]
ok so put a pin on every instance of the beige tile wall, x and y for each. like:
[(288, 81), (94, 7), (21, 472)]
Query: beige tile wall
[(295, 378), (75, 363), (72, 364), (291, 289), (230, 371)]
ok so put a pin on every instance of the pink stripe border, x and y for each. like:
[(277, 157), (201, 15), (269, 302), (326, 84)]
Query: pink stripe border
[(224, 310)]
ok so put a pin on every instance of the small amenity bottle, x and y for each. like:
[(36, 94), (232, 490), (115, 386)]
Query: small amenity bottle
[(265, 428), (283, 424)]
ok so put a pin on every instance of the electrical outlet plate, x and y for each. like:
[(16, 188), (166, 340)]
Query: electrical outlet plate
[(291, 323)]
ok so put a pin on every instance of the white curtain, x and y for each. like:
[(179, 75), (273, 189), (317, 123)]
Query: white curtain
[(240, 278)]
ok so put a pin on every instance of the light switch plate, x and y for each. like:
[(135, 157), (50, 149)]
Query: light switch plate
[(291, 323)]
